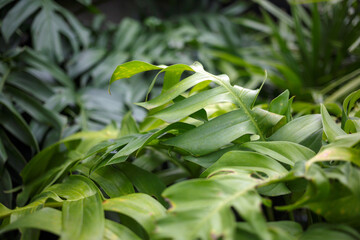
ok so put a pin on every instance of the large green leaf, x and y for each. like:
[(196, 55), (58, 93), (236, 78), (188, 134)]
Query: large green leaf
[(201, 208), (306, 130), (224, 129), (83, 218), (47, 219), (141, 207)]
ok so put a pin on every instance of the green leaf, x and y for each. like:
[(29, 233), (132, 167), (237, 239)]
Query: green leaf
[(190, 105), (3, 154), (83, 61), (140, 142), (144, 181), (36, 109), (83, 218), (209, 159), (242, 97), (5, 185), (306, 130), (280, 104), (282, 151), (285, 229), (348, 105), (115, 230), (15, 124), (201, 208), (46, 219), (175, 90), (332, 194), (330, 231), (52, 162), (47, 28), (82, 32), (224, 129), (129, 69), (141, 207), (17, 15), (113, 181), (4, 211), (337, 153), (41, 62), (128, 125), (249, 161), (330, 128), (276, 11)]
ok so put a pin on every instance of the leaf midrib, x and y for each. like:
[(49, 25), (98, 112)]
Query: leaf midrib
[(221, 205), (240, 103)]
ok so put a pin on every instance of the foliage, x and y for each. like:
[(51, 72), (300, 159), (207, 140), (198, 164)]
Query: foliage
[(206, 163), (52, 66), (304, 48)]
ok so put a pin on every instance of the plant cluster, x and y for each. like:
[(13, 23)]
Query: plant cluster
[(303, 49), (206, 163), (51, 67)]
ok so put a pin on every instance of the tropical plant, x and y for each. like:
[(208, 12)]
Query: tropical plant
[(204, 164), (310, 46), (48, 80)]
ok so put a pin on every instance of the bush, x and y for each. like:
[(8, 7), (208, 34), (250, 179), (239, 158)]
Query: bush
[(205, 163)]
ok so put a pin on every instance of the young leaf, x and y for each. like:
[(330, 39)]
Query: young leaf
[(280, 104), (330, 128), (129, 69)]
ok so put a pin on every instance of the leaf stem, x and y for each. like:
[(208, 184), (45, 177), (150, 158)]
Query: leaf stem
[(270, 213)]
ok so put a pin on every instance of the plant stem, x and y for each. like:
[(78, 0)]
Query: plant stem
[(291, 215), (270, 213)]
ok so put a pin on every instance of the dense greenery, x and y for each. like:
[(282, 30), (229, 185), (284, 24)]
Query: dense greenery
[(205, 163), (206, 157)]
